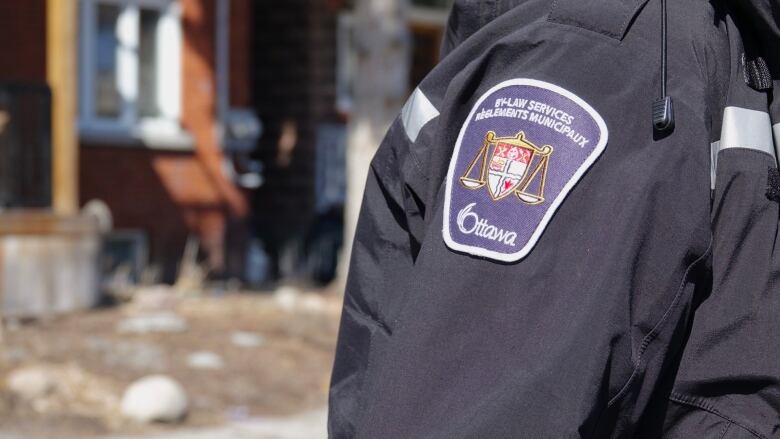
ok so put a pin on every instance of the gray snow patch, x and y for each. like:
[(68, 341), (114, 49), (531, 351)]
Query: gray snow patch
[(205, 360), (247, 339), (151, 323)]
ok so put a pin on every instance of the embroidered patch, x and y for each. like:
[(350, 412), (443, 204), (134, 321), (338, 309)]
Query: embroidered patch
[(524, 146)]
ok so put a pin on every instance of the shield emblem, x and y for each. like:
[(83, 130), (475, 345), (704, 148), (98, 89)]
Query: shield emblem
[(508, 167), (513, 167)]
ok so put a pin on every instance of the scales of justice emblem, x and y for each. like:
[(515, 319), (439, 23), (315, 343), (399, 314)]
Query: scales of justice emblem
[(516, 166)]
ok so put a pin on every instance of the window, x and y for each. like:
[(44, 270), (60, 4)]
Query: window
[(130, 86)]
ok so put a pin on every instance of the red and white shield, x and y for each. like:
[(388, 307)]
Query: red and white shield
[(507, 168)]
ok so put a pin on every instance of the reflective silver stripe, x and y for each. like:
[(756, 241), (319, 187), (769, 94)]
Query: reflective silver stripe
[(776, 130), (714, 149), (417, 112), (743, 128)]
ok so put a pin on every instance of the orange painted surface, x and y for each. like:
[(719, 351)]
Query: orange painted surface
[(199, 98), (171, 195)]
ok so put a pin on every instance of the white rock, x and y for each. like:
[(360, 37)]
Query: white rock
[(205, 360), (148, 323), (247, 339), (154, 398), (31, 383), (287, 297)]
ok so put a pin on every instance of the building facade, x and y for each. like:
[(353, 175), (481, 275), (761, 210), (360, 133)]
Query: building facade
[(156, 81), (165, 97)]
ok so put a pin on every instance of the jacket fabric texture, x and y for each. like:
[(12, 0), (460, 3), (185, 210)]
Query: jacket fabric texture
[(534, 260)]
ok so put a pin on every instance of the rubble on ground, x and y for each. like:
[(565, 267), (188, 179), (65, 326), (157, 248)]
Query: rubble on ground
[(152, 322), (134, 354), (64, 389), (253, 357), (247, 339), (205, 360)]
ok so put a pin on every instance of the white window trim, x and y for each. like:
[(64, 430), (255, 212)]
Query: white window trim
[(128, 129)]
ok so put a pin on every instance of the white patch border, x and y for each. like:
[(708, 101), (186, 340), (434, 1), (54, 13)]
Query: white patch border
[(597, 151)]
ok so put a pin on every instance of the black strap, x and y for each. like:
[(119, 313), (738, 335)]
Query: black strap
[(608, 17), (757, 74)]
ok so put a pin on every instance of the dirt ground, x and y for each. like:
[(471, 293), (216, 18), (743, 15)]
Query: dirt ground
[(93, 361)]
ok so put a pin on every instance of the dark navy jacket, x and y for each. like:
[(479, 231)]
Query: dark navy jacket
[(534, 260)]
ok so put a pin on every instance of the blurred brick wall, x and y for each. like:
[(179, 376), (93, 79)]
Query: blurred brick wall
[(168, 194), (240, 56), (23, 40), (293, 82), (171, 195)]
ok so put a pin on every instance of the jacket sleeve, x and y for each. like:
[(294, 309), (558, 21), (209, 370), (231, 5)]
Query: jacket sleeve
[(386, 243), (728, 382), (727, 385)]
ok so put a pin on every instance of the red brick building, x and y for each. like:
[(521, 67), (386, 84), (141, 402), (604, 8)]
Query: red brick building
[(153, 88), (156, 81)]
